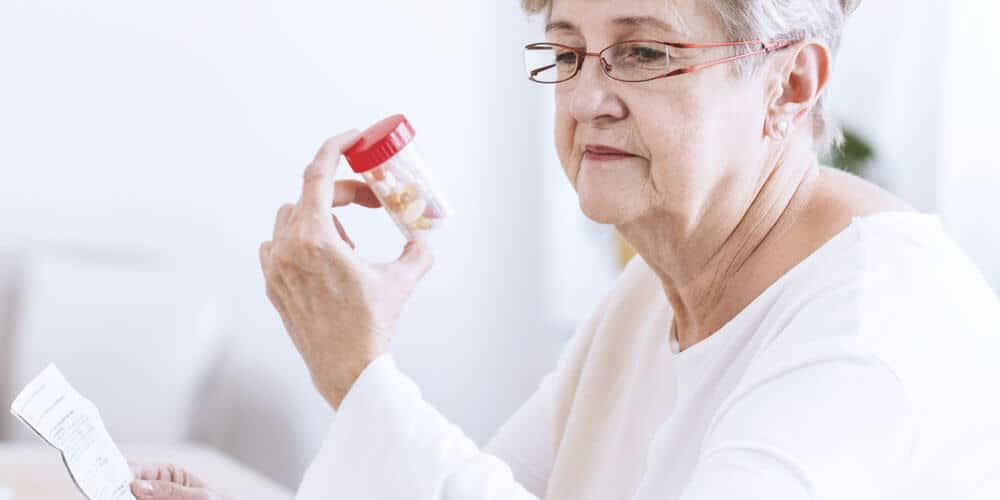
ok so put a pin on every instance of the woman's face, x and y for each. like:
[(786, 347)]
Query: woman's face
[(689, 138)]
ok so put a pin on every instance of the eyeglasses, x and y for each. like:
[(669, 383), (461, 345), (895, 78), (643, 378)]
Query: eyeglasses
[(629, 61)]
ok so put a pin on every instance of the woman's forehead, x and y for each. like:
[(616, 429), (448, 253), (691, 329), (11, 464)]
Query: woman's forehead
[(679, 17)]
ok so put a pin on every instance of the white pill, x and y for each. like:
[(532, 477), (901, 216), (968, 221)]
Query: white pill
[(382, 188), (390, 180), (414, 210)]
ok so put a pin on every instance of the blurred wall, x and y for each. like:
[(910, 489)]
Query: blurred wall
[(917, 79), (969, 176)]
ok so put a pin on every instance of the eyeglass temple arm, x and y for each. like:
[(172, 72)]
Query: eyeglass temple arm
[(766, 48), (536, 71), (776, 45)]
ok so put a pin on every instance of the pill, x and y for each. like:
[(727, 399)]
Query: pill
[(405, 197), (414, 210), (432, 211), (423, 223), (393, 202), (382, 188)]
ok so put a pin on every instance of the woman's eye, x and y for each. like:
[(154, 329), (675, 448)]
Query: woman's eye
[(647, 54), (566, 57)]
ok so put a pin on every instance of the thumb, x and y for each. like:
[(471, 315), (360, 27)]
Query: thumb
[(318, 180), (416, 259), (166, 490)]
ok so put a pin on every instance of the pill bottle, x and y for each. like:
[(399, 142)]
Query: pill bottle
[(387, 158)]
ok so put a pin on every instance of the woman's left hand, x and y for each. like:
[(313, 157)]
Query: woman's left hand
[(167, 482), (339, 309)]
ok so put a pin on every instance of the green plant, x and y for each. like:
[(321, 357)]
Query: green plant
[(852, 155)]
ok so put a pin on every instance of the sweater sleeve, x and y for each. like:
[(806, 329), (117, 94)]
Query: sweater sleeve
[(818, 420), (524, 441), (387, 442)]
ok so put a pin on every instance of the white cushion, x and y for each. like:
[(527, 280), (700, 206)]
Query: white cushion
[(136, 338), (8, 286)]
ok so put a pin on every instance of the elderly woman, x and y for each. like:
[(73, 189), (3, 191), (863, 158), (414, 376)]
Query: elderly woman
[(787, 331)]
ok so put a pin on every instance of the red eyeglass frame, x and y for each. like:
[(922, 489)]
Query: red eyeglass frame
[(766, 47)]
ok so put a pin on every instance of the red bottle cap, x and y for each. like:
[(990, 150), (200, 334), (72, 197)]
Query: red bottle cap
[(379, 143)]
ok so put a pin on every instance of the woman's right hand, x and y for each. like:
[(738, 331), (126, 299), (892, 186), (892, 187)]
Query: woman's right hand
[(157, 481)]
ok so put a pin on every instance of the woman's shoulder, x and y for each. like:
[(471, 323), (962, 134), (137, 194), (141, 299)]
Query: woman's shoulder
[(877, 245), (916, 275), (880, 268), (901, 296), (890, 278)]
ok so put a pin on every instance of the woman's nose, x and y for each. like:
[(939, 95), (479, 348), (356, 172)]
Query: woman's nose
[(593, 96)]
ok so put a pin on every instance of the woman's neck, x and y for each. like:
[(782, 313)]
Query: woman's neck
[(713, 267)]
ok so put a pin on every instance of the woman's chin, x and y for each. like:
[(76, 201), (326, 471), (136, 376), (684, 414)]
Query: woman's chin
[(605, 192), (603, 199), (601, 208)]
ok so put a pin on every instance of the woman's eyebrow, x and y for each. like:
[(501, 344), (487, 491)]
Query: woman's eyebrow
[(560, 26), (628, 21), (647, 21)]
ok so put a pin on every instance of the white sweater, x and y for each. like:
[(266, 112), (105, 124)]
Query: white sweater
[(868, 371)]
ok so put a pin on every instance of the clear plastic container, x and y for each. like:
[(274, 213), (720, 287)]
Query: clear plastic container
[(389, 161)]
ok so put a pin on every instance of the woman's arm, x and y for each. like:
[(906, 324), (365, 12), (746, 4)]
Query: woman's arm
[(525, 442), (387, 442), (823, 420)]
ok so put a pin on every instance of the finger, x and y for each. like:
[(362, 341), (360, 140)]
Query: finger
[(343, 233), (281, 220), (416, 259), (152, 471), (352, 191), (167, 472), (318, 179), (182, 477), (165, 490), (265, 257), (272, 280)]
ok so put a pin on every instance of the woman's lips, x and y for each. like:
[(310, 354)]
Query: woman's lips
[(605, 153)]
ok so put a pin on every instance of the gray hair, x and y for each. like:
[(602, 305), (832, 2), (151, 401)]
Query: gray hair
[(769, 19)]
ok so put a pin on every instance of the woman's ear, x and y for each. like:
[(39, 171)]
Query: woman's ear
[(796, 86)]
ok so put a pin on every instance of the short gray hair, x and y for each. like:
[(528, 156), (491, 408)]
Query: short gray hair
[(769, 19)]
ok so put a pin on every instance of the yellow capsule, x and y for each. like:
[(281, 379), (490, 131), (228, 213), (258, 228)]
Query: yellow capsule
[(414, 211), (394, 202), (423, 223), (410, 192)]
